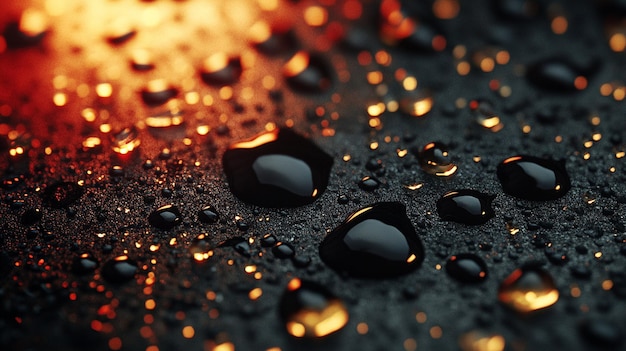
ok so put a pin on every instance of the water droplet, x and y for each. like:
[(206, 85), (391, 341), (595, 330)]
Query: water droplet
[(29, 31), (435, 159), (283, 250), (240, 245), (277, 169), (533, 178), (31, 216), (485, 115), (557, 74), (528, 289), (417, 105), (62, 194), (467, 268), (268, 240), (219, 69), (201, 248), (478, 340), (84, 264), (271, 39), (165, 217), (157, 92), (399, 29), (141, 60), (310, 310), (165, 119), (369, 183), (465, 206), (125, 140), (307, 73), (119, 270), (375, 241), (120, 31), (208, 214)]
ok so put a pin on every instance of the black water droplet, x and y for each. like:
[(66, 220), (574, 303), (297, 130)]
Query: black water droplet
[(208, 214), (277, 169), (306, 306), (119, 270), (557, 74), (467, 268), (158, 92), (435, 159), (62, 194), (201, 248), (283, 250), (533, 178), (28, 32), (375, 241), (240, 245), (268, 240), (219, 69), (271, 39), (84, 264), (369, 183), (305, 72), (31, 216), (165, 217), (465, 206)]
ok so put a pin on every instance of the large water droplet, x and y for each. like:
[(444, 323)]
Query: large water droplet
[(465, 206), (119, 270), (369, 183), (310, 310), (158, 92), (435, 159), (208, 214), (533, 178), (528, 289), (557, 74), (399, 29), (219, 69), (277, 169), (375, 241), (62, 194), (467, 268), (165, 217), (307, 73)]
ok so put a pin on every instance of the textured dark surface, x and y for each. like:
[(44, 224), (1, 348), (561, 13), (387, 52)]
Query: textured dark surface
[(47, 305)]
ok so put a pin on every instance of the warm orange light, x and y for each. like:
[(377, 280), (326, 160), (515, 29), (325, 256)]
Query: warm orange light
[(188, 332), (216, 62), (104, 90), (463, 68), (580, 82), (446, 9), (512, 159), (617, 42), (315, 16), (260, 32), (318, 323), (297, 64), (257, 141), (33, 22), (559, 25)]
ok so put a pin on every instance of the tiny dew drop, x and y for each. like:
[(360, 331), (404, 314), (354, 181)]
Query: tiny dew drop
[(84, 263), (376, 241), (309, 310), (435, 159), (467, 268), (465, 206), (369, 183), (533, 178), (528, 289)]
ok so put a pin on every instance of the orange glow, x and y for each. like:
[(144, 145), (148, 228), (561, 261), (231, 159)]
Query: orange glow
[(463, 68), (104, 90), (115, 343), (297, 64), (260, 32), (255, 293), (446, 9), (559, 25), (315, 16), (188, 332), (352, 9), (318, 323), (617, 42), (580, 82), (33, 22), (216, 62), (294, 284), (439, 43), (257, 141), (512, 159)]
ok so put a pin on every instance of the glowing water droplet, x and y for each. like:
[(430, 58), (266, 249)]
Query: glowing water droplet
[(158, 92), (485, 116), (375, 241), (465, 206), (417, 105), (277, 169), (528, 289), (435, 159), (29, 31), (165, 217), (220, 69), (533, 178), (125, 141), (467, 268), (310, 310), (307, 73), (201, 248)]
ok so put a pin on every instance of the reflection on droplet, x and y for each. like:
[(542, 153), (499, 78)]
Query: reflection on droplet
[(465, 206), (84, 263), (307, 73), (417, 105), (141, 60), (481, 341), (208, 214), (528, 289), (557, 74), (201, 248), (165, 119), (165, 217), (375, 241), (220, 69), (485, 116), (277, 169), (310, 310), (158, 92), (125, 140), (398, 29), (467, 268), (435, 159), (29, 31), (533, 178)]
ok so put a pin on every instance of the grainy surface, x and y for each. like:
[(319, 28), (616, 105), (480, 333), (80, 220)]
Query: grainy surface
[(45, 305)]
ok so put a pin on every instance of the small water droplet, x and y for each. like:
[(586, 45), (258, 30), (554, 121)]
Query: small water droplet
[(157, 92), (557, 74), (268, 240), (485, 115), (375, 241), (465, 206), (240, 245), (62, 194), (533, 178), (165, 217), (141, 60), (435, 159), (220, 69), (528, 289), (84, 263), (283, 250), (467, 268), (208, 214), (119, 270), (271, 39), (29, 31), (125, 141), (310, 310), (369, 183), (418, 104), (479, 340), (277, 169), (201, 248), (307, 73)]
